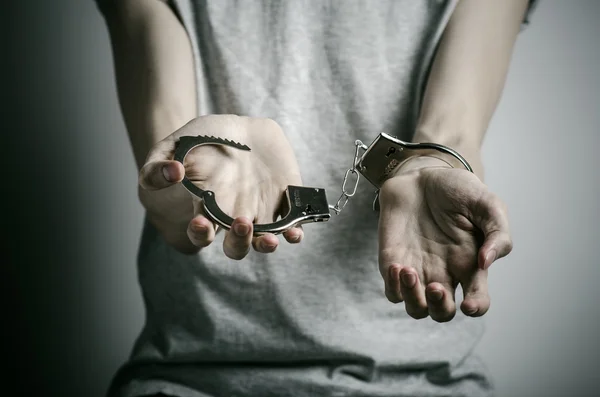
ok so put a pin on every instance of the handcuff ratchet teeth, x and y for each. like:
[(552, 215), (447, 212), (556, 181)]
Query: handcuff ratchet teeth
[(306, 204)]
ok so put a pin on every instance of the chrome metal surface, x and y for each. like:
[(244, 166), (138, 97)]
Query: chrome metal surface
[(306, 204), (387, 152)]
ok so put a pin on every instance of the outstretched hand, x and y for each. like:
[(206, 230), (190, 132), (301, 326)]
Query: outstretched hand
[(439, 227), (248, 186)]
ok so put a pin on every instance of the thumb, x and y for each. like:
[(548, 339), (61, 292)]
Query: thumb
[(476, 300), (492, 219), (161, 174), (160, 171)]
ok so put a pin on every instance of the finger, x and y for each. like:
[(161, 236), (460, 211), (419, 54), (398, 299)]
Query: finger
[(492, 218), (161, 174), (476, 301), (201, 231), (159, 170), (294, 235), (268, 242), (237, 241), (391, 250), (391, 282), (265, 243), (413, 292), (440, 302)]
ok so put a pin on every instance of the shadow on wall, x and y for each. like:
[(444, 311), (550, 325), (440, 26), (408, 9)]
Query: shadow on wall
[(73, 220)]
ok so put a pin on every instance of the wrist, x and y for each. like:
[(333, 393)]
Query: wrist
[(418, 162), (467, 144)]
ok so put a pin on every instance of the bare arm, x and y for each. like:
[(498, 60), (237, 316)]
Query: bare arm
[(154, 69), (440, 227), (157, 92), (468, 75)]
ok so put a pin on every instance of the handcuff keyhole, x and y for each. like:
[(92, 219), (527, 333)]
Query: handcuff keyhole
[(391, 151), (308, 209)]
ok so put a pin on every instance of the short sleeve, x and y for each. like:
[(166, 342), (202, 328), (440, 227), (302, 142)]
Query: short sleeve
[(105, 5), (530, 9)]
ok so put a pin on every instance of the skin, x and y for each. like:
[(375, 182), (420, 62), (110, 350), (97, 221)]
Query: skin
[(439, 227), (445, 230), (248, 185), (466, 227)]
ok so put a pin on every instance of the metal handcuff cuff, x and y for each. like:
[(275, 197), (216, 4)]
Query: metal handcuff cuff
[(309, 204)]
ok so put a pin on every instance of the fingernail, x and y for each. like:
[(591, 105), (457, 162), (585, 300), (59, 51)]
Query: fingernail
[(269, 247), (436, 295), (241, 229), (489, 259), (165, 171), (200, 229), (409, 279)]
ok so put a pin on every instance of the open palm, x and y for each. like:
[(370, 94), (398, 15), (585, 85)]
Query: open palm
[(439, 227)]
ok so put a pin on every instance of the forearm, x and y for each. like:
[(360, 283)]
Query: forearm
[(154, 70), (468, 74)]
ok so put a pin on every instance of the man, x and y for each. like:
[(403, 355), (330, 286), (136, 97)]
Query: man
[(309, 78)]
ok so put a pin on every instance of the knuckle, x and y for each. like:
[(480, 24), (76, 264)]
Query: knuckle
[(503, 243), (260, 247), (509, 244), (489, 204), (498, 207), (386, 256)]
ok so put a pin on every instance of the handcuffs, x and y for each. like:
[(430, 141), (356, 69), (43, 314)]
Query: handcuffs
[(308, 204)]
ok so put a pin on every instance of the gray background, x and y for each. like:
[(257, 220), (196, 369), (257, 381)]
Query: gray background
[(70, 231)]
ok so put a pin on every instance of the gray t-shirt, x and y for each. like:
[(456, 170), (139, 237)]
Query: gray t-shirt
[(309, 319)]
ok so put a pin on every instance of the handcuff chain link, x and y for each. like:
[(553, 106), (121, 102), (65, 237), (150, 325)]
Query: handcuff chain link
[(347, 193)]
